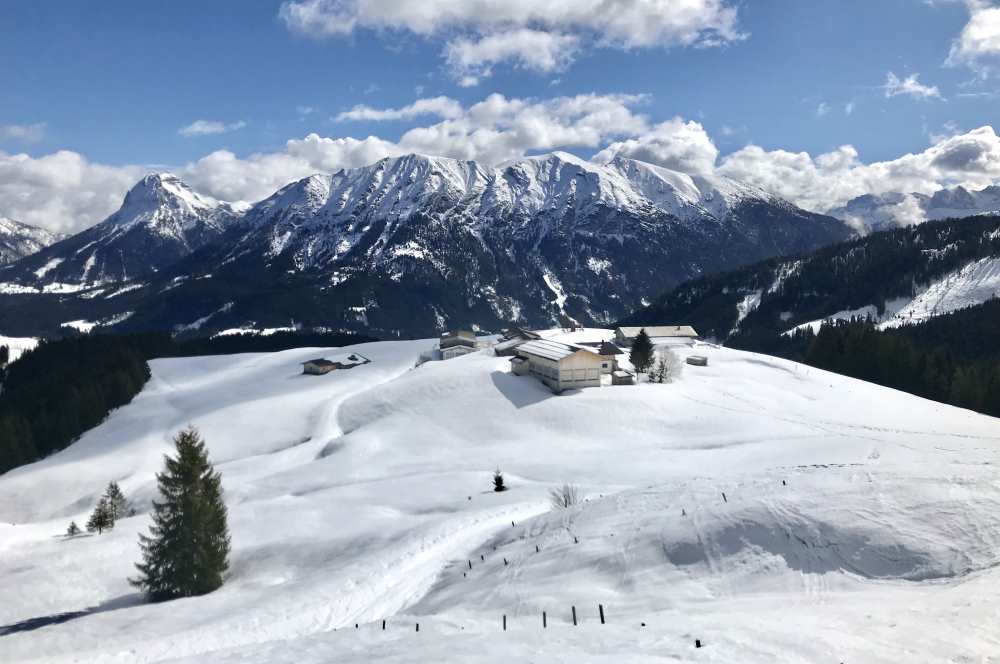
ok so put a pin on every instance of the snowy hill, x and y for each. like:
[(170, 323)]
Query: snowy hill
[(413, 244), (859, 524), (160, 221), (18, 240), (891, 210)]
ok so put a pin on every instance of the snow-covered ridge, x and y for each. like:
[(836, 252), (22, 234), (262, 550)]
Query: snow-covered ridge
[(875, 212), (18, 240), (972, 284), (398, 186), (161, 219)]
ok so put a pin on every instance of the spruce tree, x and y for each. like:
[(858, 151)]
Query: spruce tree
[(187, 551), (116, 501), (100, 519), (641, 355), (498, 484), (73, 529)]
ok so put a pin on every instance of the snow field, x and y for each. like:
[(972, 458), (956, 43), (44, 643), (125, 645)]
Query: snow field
[(859, 523)]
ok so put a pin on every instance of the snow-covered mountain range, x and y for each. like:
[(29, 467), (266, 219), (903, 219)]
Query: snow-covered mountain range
[(411, 244), (160, 221), (878, 212), (18, 240)]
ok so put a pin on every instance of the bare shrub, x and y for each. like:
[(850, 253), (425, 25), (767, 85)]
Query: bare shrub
[(564, 497)]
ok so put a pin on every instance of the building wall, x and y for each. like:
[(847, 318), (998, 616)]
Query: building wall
[(455, 351), (579, 370)]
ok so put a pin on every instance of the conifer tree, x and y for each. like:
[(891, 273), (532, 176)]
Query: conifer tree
[(116, 501), (641, 355), (498, 484), (187, 550), (100, 519), (73, 529)]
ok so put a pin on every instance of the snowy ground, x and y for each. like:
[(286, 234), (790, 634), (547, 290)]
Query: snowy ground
[(18, 345), (859, 524)]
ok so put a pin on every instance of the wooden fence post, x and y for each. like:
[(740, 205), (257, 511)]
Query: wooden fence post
[(574, 616), (545, 622), (600, 609), (383, 625), (418, 627), (505, 622)]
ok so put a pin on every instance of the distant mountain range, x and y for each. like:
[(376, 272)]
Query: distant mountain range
[(18, 240), (406, 247), (878, 212)]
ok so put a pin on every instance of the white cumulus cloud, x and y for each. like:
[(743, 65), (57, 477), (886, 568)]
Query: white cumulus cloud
[(979, 41), (675, 144), (831, 179), (543, 36)]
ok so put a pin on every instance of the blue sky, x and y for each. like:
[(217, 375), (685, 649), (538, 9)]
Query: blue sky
[(115, 82)]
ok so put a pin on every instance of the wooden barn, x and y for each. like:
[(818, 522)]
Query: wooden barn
[(562, 366)]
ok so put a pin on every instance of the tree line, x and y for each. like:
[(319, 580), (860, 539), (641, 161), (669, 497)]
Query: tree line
[(954, 358)]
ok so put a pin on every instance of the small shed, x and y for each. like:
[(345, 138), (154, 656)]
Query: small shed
[(321, 365), (562, 366), (622, 377)]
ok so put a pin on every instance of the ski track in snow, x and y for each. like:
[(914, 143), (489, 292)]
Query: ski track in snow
[(859, 523)]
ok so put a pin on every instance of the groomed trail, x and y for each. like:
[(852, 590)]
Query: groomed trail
[(773, 511)]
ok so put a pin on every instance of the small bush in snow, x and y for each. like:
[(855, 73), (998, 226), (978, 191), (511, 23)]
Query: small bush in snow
[(564, 497), (668, 367), (73, 529), (498, 484)]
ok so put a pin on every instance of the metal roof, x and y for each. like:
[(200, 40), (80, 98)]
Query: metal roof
[(660, 330), (550, 350)]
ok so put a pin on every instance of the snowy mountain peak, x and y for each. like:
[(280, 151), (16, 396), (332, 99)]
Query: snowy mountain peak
[(161, 220), (894, 209), (18, 240), (163, 190)]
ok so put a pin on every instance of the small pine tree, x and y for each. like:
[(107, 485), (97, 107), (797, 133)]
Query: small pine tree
[(100, 519), (498, 484), (73, 529), (641, 355), (187, 550), (116, 501)]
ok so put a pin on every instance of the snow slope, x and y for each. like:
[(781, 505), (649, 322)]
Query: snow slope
[(18, 345), (859, 523), (975, 283)]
